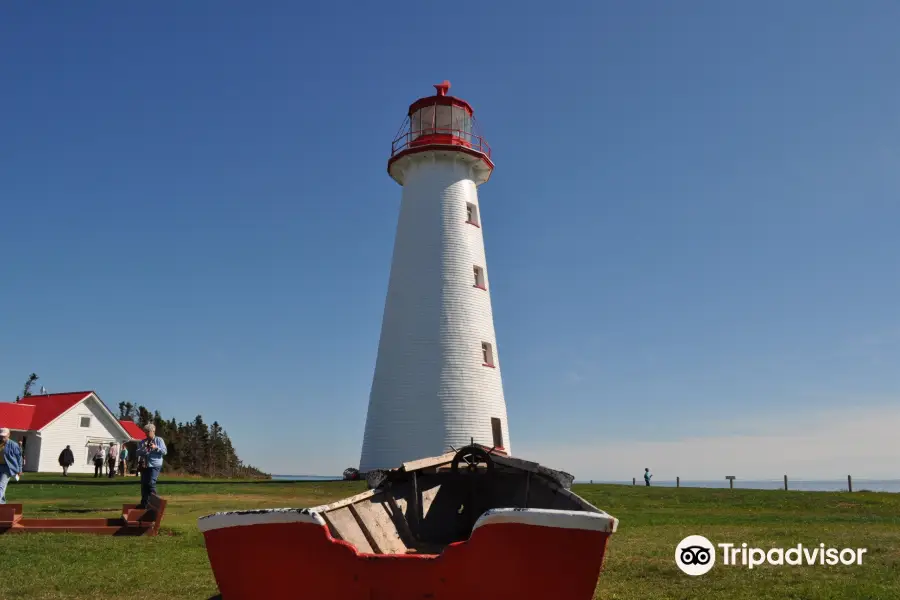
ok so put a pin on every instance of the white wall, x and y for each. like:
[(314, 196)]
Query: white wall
[(67, 430), (430, 389), (32, 447)]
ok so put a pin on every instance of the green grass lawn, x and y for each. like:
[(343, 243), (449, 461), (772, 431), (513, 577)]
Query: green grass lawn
[(640, 561)]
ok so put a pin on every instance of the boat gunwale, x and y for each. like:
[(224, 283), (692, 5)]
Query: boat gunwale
[(259, 516), (539, 517)]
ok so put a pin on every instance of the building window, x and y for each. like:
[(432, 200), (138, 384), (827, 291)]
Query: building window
[(85, 421), (487, 354), (472, 214), (497, 429), (479, 277)]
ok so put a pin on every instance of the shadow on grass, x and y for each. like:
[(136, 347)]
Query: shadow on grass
[(164, 481), (82, 511)]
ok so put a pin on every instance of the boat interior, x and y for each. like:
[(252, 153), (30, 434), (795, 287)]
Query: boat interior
[(427, 504)]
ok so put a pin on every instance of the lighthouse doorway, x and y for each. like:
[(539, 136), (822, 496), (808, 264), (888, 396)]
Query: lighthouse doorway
[(497, 428)]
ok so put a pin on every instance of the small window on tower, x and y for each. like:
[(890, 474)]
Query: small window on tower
[(472, 214), (85, 421), (479, 277), (487, 354)]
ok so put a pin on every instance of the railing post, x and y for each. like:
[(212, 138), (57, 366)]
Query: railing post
[(785, 483), (678, 482), (849, 484), (634, 481)]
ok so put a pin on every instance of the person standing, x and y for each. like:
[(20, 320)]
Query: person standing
[(66, 460), (647, 476), (123, 460), (10, 462), (152, 449), (112, 459), (98, 462), (22, 447)]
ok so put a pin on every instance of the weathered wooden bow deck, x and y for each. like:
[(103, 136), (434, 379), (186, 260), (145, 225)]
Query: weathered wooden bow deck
[(133, 521)]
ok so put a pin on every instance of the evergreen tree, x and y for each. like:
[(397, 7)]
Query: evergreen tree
[(216, 450), (144, 417), (28, 383), (201, 443)]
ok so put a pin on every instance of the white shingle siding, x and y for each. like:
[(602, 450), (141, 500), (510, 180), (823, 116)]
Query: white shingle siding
[(430, 390)]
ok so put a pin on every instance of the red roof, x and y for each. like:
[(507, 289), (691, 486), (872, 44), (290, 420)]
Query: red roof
[(16, 416), (133, 430), (35, 412)]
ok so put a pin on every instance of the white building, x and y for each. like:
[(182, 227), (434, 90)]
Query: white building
[(44, 425), (437, 381)]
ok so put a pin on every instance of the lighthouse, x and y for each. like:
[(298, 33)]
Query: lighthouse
[(437, 383)]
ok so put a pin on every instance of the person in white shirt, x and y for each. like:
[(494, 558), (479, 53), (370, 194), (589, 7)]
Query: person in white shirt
[(112, 459)]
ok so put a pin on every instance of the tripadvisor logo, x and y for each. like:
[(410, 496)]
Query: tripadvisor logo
[(696, 555)]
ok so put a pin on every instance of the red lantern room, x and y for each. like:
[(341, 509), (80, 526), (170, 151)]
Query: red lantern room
[(445, 124)]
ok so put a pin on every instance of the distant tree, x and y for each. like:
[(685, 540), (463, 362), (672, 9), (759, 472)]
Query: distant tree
[(161, 426), (28, 383), (231, 463), (126, 411), (144, 417), (201, 444), (216, 450)]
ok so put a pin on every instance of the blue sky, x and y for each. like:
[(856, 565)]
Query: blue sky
[(691, 228)]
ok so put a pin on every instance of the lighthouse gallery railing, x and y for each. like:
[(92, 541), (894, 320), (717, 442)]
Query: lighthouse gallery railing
[(464, 139)]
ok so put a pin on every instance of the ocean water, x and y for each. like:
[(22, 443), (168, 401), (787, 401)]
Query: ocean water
[(836, 485)]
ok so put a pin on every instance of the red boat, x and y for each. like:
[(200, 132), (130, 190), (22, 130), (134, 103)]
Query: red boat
[(469, 524)]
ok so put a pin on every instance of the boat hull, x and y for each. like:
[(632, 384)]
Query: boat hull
[(511, 554)]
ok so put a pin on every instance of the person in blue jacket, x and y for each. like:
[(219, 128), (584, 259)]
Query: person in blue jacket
[(10, 461), (151, 449)]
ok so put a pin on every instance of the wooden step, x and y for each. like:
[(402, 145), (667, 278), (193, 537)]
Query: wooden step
[(9, 514)]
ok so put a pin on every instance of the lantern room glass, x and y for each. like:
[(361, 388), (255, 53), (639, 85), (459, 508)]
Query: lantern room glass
[(422, 122), (462, 123), (441, 119)]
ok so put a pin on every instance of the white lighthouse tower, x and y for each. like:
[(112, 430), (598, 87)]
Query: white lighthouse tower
[(437, 380)]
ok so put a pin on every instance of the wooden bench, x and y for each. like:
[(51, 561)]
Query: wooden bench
[(149, 517), (133, 521)]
